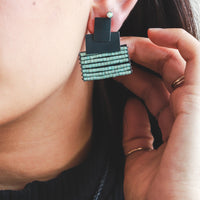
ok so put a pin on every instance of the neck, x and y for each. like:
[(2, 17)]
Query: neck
[(51, 138)]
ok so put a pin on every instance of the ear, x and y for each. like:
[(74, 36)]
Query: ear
[(119, 8)]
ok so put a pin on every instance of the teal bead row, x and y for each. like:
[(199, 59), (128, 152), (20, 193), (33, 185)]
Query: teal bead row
[(105, 65), (107, 76), (106, 72), (101, 64), (103, 55), (113, 67), (84, 56), (104, 59), (95, 56)]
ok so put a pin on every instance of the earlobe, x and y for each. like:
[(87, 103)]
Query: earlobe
[(119, 8), (91, 20)]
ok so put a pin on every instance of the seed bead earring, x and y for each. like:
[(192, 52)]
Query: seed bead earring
[(104, 57)]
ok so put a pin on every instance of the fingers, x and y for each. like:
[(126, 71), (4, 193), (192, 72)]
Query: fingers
[(185, 101), (183, 149), (152, 91), (186, 44), (191, 56), (137, 130), (178, 39), (164, 61), (149, 88), (167, 62)]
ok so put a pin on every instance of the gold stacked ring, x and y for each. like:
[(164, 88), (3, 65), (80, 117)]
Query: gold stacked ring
[(178, 82)]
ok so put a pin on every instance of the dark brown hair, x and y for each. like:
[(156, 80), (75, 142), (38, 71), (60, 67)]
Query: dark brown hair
[(109, 96)]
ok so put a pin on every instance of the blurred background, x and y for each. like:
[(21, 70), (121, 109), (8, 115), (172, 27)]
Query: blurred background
[(196, 10)]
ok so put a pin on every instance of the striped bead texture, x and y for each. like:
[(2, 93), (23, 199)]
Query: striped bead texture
[(105, 65)]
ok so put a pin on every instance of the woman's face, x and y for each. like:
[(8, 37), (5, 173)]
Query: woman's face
[(39, 44)]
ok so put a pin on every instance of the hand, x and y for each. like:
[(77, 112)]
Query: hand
[(173, 170)]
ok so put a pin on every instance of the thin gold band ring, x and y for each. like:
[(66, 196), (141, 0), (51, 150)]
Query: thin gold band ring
[(178, 82), (138, 149)]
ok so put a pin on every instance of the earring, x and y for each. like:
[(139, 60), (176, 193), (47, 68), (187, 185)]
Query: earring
[(104, 57)]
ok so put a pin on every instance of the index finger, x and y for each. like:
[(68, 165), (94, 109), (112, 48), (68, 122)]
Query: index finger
[(188, 46)]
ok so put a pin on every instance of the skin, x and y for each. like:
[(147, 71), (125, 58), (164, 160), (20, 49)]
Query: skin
[(39, 71), (170, 172), (46, 108)]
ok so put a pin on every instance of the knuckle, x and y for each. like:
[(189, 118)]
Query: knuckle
[(161, 63), (182, 31), (186, 100)]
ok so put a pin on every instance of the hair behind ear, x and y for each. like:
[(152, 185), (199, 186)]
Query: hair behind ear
[(159, 13)]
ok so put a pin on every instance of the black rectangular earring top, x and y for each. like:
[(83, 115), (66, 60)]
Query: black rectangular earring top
[(103, 40), (102, 30)]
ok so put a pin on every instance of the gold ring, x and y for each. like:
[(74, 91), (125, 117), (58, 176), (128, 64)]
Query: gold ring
[(138, 149), (178, 82)]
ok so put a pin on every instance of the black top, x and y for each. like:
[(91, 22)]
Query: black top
[(99, 176)]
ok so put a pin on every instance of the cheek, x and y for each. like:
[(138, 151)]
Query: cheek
[(39, 44)]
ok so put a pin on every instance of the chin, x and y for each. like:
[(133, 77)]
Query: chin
[(10, 112)]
